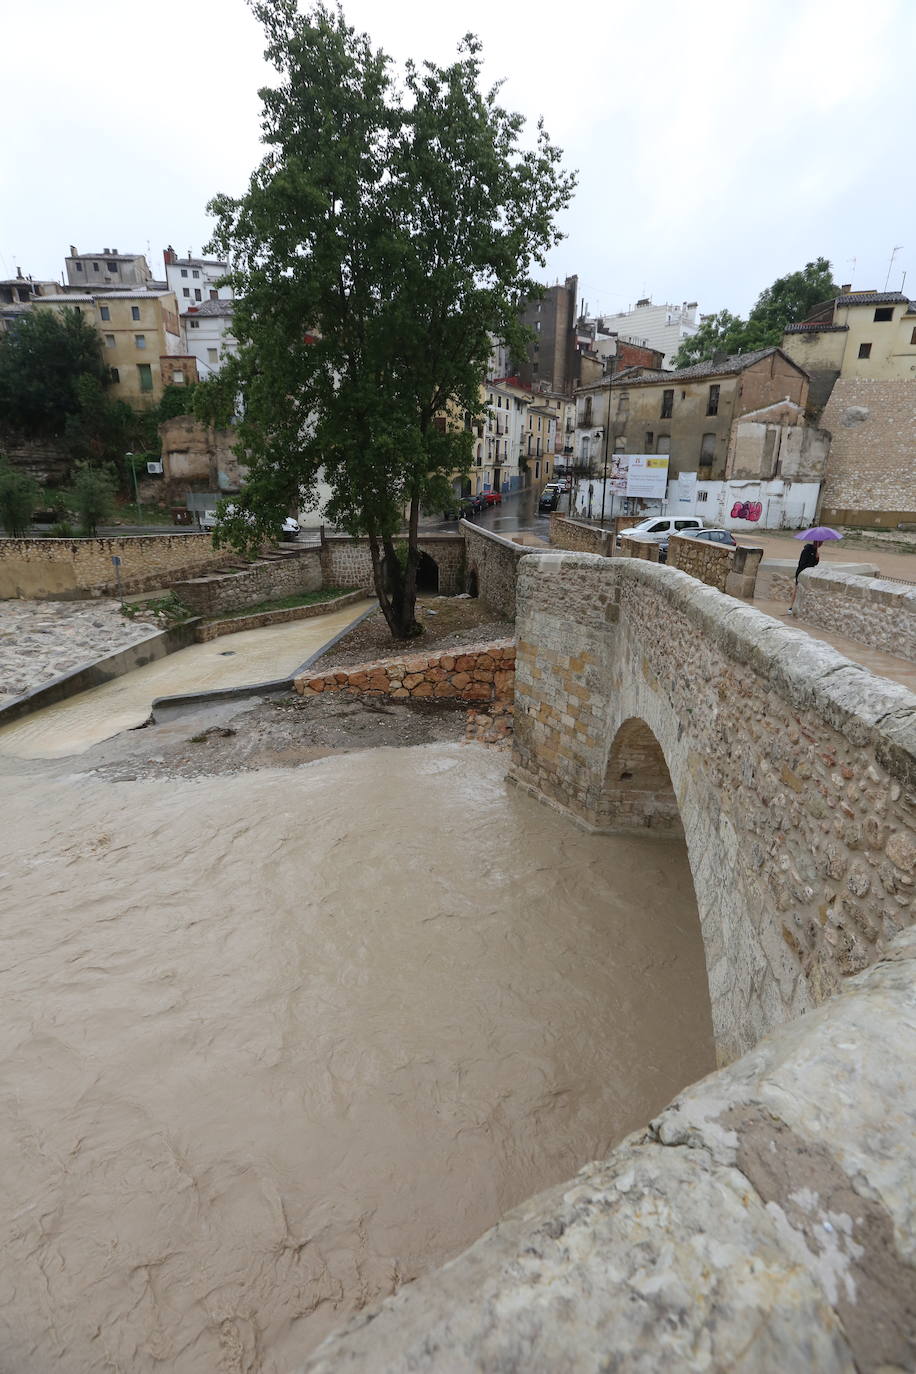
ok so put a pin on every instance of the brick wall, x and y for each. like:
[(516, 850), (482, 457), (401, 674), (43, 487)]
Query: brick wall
[(732, 570), (869, 609), (579, 537), (286, 572), (492, 567), (871, 474), (60, 569), (347, 562), (793, 769), (473, 672)]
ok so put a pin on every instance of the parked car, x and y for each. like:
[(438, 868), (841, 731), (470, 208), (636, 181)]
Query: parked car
[(714, 536), (290, 528), (463, 508), (658, 527), (493, 498), (549, 499)]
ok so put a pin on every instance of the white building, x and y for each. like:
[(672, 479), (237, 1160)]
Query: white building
[(208, 330), (194, 280), (664, 327)]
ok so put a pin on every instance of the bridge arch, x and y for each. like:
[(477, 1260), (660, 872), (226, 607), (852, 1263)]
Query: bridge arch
[(638, 793)]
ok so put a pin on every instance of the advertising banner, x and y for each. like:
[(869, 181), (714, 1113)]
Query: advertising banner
[(647, 476), (687, 490), (617, 474)]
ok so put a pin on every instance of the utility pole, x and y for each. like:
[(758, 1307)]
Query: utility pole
[(607, 440), (897, 248), (133, 470)]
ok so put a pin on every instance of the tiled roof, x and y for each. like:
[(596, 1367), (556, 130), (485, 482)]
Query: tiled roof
[(816, 327), (210, 308), (735, 362), (873, 298)]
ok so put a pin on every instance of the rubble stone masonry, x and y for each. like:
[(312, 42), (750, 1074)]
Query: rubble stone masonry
[(64, 569), (578, 537), (869, 609), (472, 672), (871, 472)]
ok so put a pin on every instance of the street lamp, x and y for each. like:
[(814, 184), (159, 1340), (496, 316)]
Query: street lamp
[(130, 457)]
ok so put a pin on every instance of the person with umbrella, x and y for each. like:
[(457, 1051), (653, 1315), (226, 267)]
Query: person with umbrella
[(810, 554)]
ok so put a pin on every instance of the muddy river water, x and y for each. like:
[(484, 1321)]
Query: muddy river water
[(275, 1043)]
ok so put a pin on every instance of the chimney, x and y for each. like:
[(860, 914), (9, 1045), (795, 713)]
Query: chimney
[(73, 252), (846, 288)]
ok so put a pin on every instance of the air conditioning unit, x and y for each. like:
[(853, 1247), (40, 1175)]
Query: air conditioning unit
[(154, 469)]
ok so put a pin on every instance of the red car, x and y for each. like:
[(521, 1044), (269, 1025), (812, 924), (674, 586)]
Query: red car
[(493, 498)]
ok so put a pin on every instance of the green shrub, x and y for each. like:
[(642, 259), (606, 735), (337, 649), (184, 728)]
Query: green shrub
[(18, 498), (93, 497)]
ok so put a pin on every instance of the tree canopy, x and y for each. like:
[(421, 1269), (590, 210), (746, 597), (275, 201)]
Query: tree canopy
[(388, 232), (45, 362), (789, 300)]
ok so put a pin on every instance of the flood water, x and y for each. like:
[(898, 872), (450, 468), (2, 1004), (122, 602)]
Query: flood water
[(278, 1042)]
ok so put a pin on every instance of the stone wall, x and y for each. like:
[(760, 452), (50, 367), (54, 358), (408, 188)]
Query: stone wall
[(871, 476), (347, 562), (732, 570), (763, 1222), (215, 629), (794, 770), (473, 672), (64, 569), (632, 546), (869, 609), (776, 576), (282, 572), (580, 538), (492, 567)]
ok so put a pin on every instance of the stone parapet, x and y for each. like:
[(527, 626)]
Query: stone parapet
[(764, 1221), (347, 562), (632, 546), (492, 567), (776, 576), (69, 569), (578, 537), (286, 571), (731, 570), (469, 672), (876, 612)]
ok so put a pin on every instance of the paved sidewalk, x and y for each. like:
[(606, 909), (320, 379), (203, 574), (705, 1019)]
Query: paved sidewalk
[(252, 656)]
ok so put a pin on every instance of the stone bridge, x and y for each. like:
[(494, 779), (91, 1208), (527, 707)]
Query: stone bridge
[(646, 700), (767, 1219)]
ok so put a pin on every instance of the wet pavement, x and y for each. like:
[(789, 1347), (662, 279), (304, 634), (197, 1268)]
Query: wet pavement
[(517, 513)]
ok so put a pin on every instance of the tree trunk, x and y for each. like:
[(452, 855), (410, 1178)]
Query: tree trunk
[(396, 585)]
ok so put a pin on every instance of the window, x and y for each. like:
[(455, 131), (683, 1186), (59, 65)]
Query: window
[(79, 267), (667, 404), (537, 326), (883, 314), (195, 324), (197, 293), (707, 449), (146, 376), (114, 374), (178, 377), (195, 274), (184, 271), (650, 440), (214, 295), (104, 312), (587, 413), (112, 266), (712, 405), (913, 337), (702, 495), (212, 355), (186, 291), (135, 312), (95, 267), (537, 471), (865, 350), (109, 341), (140, 340)]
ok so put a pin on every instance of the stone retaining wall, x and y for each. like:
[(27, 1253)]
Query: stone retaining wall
[(632, 546), (763, 1222), (879, 613), (473, 672), (492, 567), (579, 537), (347, 562), (285, 572), (732, 570), (68, 569), (232, 625)]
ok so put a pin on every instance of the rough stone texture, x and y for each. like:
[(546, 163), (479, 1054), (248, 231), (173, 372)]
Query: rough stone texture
[(876, 612), (65, 569), (347, 562), (41, 640), (492, 567), (794, 770), (580, 538), (470, 672), (776, 576), (871, 476), (195, 457), (765, 1221), (216, 628), (631, 546), (281, 572), (732, 570)]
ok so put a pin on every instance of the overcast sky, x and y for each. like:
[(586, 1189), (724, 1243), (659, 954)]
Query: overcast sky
[(719, 144)]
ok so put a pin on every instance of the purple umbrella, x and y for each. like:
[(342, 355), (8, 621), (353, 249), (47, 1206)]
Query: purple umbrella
[(819, 534)]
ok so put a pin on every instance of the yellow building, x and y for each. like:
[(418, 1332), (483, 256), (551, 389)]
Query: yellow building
[(141, 336), (863, 334)]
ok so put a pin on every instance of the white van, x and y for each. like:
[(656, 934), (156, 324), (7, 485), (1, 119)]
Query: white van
[(659, 527)]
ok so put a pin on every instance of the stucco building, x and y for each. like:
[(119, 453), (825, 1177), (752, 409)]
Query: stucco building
[(739, 445), (108, 269), (553, 354), (661, 327), (858, 334)]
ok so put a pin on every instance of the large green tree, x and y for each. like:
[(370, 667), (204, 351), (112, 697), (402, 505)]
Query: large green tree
[(789, 300), (44, 362), (390, 230)]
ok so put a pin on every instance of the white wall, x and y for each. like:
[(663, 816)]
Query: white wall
[(180, 277), (783, 505), (205, 333)]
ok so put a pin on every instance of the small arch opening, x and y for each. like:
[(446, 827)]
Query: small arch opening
[(427, 573), (638, 793), (473, 583)]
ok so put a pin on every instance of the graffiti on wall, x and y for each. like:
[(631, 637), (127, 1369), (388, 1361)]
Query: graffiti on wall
[(747, 510)]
